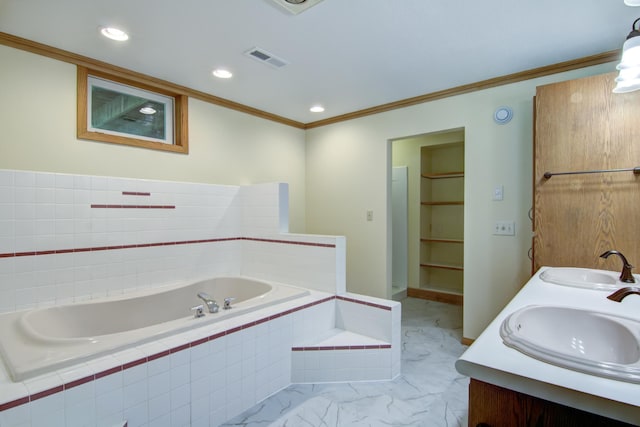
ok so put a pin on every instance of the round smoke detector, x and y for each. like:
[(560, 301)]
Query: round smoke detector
[(295, 1), (503, 115)]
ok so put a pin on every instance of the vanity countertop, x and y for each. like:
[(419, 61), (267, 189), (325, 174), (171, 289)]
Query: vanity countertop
[(490, 360)]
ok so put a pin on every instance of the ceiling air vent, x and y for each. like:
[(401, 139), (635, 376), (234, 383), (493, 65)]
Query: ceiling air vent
[(296, 6), (266, 57)]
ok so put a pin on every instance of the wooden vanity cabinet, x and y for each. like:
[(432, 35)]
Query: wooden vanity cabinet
[(494, 406)]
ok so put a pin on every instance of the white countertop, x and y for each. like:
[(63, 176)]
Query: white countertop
[(491, 361)]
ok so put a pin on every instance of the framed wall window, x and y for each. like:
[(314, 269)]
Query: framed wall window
[(121, 111)]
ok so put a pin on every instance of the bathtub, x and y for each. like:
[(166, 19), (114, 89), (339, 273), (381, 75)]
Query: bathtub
[(42, 340)]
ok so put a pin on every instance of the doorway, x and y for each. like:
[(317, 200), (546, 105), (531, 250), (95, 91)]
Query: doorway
[(434, 246)]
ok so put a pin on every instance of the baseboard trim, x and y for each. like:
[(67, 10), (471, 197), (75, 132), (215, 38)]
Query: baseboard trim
[(467, 341), (439, 296)]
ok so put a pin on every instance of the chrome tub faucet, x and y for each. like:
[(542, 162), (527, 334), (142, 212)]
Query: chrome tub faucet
[(211, 304), (625, 275)]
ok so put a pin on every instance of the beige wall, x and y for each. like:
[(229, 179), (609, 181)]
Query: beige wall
[(38, 122), (348, 173)]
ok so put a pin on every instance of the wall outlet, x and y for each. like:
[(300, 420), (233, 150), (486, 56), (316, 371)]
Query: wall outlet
[(504, 228)]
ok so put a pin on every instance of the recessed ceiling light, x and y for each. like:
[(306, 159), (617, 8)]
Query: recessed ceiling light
[(222, 73), (317, 109), (114, 34), (147, 110)]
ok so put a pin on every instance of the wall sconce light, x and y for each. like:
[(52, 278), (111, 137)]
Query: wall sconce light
[(628, 79)]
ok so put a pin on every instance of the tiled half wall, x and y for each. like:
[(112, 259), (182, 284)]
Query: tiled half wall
[(67, 238)]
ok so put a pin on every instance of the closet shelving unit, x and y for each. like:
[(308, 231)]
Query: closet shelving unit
[(442, 221)]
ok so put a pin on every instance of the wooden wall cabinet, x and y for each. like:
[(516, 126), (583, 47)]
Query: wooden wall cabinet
[(580, 125)]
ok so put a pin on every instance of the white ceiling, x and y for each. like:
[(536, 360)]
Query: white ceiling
[(345, 54)]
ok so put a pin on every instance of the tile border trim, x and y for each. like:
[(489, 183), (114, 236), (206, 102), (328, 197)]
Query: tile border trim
[(149, 245)]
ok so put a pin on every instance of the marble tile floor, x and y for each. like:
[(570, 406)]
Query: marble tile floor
[(429, 392)]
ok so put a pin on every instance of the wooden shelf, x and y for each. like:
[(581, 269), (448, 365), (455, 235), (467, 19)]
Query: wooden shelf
[(443, 266), (441, 185), (457, 202), (443, 175), (435, 239)]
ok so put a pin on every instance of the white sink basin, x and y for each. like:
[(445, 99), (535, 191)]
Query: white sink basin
[(582, 278), (595, 343)]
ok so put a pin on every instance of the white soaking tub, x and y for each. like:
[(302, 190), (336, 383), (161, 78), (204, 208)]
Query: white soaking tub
[(45, 339)]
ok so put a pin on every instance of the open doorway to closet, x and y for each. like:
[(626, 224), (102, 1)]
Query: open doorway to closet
[(428, 237)]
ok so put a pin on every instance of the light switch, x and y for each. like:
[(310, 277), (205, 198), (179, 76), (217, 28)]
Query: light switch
[(369, 215), (498, 192)]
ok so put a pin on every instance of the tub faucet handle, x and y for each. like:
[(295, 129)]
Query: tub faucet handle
[(227, 303), (198, 311)]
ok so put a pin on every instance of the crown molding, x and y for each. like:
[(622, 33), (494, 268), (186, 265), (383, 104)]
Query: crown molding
[(84, 61), (65, 56)]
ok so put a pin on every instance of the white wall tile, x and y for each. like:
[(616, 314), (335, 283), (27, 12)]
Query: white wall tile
[(109, 403), (159, 406), (135, 394), (136, 416), (80, 414)]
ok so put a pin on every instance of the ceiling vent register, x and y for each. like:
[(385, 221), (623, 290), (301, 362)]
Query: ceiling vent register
[(265, 57), (296, 6)]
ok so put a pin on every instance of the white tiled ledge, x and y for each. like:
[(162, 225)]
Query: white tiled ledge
[(340, 339)]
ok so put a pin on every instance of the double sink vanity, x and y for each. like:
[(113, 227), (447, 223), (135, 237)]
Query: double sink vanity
[(560, 353)]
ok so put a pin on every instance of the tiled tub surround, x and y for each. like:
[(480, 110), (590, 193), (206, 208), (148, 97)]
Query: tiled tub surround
[(210, 374), (55, 248), (73, 238), (39, 341)]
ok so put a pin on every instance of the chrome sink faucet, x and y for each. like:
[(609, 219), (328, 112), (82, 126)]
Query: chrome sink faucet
[(625, 275), (212, 305)]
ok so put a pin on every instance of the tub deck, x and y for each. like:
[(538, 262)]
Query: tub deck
[(27, 353)]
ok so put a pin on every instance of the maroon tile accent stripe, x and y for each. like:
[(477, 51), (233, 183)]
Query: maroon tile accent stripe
[(134, 363), (180, 348), (133, 207), (46, 393), (342, 347), (158, 355), (370, 304), (164, 353), (135, 193), (108, 372), (79, 382), (14, 403), (289, 242), (200, 341), (149, 245)]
